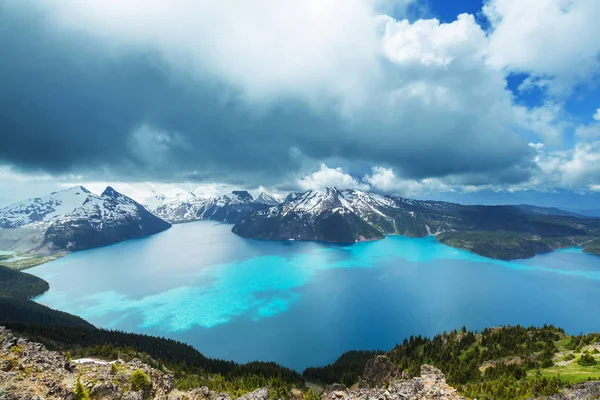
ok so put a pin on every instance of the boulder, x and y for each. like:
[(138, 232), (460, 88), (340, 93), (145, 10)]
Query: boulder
[(379, 371)]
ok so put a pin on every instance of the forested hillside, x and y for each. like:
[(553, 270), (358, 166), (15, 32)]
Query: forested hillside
[(20, 285)]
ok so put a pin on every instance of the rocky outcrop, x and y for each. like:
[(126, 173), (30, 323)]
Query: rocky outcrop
[(378, 372), (29, 371), (431, 385), (580, 391)]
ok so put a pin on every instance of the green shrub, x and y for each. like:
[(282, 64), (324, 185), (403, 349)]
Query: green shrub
[(587, 360), (140, 381), (114, 368), (81, 392), (547, 363), (312, 395), (569, 357)]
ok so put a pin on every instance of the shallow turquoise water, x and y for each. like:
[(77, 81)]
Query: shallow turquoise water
[(304, 303)]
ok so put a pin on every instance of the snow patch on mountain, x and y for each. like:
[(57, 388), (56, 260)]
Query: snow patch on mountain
[(43, 211), (75, 219), (224, 208)]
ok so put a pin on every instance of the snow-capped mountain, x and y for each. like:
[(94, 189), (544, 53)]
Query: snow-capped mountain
[(299, 215), (76, 219), (225, 208), (42, 211), (314, 215), (351, 215), (269, 199), (109, 218), (155, 200)]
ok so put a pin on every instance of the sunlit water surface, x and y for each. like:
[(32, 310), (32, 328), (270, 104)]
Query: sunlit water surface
[(303, 304)]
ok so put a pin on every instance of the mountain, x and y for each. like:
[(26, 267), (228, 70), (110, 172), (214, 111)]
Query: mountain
[(529, 209), (227, 208), (75, 219), (42, 211), (269, 199), (109, 218), (504, 232), (314, 215), (155, 200)]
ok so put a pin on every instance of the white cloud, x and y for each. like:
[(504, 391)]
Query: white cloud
[(17, 186), (330, 177), (588, 132), (574, 168), (557, 41), (399, 91), (549, 121), (429, 99), (265, 48), (385, 180), (597, 115)]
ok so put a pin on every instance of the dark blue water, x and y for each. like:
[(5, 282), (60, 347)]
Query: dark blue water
[(303, 304)]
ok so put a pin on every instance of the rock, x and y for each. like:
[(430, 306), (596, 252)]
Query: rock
[(135, 396), (378, 372), (69, 366), (580, 391), (258, 394), (5, 365), (296, 394), (106, 391), (431, 385), (335, 388)]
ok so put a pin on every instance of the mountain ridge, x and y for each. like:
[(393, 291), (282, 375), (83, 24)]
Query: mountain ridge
[(74, 219), (224, 208), (504, 232)]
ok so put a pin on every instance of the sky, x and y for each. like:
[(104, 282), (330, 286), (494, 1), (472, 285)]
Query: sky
[(472, 101)]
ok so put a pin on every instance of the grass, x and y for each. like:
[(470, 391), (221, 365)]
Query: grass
[(572, 372), (32, 261)]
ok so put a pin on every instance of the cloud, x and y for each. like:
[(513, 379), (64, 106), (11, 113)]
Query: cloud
[(330, 177), (549, 121), (574, 168), (385, 180), (245, 94), (266, 48), (233, 96), (597, 115), (556, 41)]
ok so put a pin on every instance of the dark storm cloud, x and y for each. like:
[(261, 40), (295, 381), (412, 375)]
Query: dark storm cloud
[(65, 106)]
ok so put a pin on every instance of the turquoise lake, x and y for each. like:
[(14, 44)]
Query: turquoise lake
[(304, 303)]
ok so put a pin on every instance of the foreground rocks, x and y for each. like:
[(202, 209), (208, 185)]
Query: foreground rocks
[(580, 391), (28, 371), (431, 385)]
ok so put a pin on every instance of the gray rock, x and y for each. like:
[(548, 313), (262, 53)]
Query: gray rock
[(379, 372), (258, 394), (106, 391), (580, 391)]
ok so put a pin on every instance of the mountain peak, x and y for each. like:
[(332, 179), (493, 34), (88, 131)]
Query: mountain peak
[(242, 194), (74, 189), (110, 192)]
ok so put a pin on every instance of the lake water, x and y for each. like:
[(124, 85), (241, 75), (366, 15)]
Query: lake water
[(303, 303)]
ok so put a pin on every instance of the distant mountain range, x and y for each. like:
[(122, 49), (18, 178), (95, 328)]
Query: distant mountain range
[(74, 219), (77, 219), (503, 232), (188, 207)]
